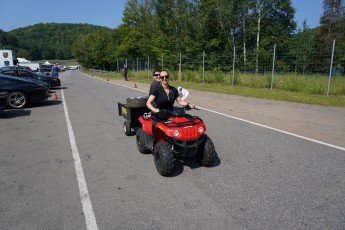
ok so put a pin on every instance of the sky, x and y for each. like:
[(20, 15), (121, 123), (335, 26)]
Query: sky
[(22, 13)]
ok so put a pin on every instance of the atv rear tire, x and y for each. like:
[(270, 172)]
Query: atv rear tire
[(136, 102), (164, 158), (127, 128), (206, 152), (140, 138)]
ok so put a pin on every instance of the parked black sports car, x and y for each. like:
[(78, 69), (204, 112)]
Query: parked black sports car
[(3, 96), (24, 73), (17, 92)]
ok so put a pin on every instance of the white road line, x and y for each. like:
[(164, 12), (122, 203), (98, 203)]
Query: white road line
[(240, 119), (90, 218), (278, 130)]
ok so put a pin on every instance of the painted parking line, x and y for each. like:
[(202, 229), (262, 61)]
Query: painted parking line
[(253, 123), (90, 218)]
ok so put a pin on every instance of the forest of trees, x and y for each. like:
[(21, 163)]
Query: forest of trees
[(45, 41), (156, 28), (152, 29)]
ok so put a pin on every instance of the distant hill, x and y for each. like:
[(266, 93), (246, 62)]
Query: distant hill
[(48, 40)]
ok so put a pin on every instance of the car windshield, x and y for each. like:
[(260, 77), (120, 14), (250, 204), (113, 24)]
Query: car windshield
[(46, 68)]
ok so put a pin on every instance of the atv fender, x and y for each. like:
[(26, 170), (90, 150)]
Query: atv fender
[(146, 124), (159, 133)]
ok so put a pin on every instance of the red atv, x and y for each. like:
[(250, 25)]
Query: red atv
[(176, 134)]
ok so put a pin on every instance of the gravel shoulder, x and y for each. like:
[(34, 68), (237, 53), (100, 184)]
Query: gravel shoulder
[(321, 123)]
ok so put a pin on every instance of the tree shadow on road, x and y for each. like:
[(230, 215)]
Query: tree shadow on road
[(7, 114)]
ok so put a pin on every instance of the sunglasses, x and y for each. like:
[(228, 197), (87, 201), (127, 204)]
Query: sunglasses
[(164, 77), (156, 75)]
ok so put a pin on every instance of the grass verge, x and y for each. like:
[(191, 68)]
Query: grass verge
[(265, 93)]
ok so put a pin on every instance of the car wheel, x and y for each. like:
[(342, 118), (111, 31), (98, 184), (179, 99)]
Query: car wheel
[(16, 100), (136, 102), (140, 138), (164, 158), (127, 128), (206, 152)]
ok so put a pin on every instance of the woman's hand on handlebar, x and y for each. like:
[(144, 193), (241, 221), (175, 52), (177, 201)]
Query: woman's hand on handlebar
[(190, 106), (155, 110)]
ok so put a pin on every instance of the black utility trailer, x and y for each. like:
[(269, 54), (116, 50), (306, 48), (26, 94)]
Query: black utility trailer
[(135, 107)]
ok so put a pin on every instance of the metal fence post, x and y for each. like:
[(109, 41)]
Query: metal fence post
[(162, 62), (148, 67), (203, 66), (330, 70), (180, 69), (274, 58), (233, 67)]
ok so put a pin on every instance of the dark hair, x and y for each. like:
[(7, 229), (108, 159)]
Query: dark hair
[(156, 70)]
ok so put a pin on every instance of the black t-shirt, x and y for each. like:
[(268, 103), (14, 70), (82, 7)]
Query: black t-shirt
[(163, 100), (152, 86)]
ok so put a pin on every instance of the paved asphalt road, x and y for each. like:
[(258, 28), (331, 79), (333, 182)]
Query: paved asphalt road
[(75, 169)]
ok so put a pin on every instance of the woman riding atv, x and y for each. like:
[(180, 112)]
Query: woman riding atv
[(164, 95)]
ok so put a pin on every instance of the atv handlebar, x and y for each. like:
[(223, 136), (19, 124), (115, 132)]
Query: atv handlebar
[(187, 107), (177, 112), (167, 112)]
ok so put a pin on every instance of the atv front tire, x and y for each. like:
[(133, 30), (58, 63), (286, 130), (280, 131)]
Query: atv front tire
[(164, 158), (140, 138), (206, 152)]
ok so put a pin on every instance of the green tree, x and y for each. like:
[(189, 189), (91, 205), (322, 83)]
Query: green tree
[(303, 48), (49, 40), (23, 53), (139, 28), (81, 51), (8, 41), (274, 21), (332, 27)]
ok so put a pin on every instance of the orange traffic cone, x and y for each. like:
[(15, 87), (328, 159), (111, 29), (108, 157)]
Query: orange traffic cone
[(55, 96)]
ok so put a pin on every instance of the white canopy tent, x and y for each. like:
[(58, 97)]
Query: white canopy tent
[(23, 60)]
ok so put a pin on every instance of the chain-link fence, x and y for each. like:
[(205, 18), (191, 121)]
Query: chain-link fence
[(311, 61), (308, 70)]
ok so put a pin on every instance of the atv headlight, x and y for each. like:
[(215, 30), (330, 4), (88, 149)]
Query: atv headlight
[(176, 133), (200, 129)]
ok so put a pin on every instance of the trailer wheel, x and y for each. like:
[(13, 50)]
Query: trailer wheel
[(136, 102), (127, 128)]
